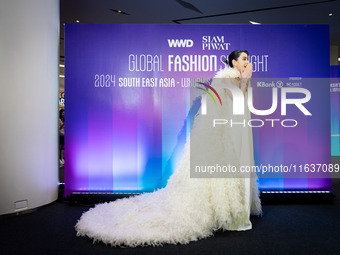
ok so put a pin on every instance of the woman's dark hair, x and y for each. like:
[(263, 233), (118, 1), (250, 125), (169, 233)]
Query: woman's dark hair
[(61, 113), (234, 55)]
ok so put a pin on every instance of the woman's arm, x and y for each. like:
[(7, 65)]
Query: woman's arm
[(225, 80), (245, 78)]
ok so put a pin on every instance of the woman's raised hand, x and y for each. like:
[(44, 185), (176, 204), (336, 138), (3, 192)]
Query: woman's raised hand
[(247, 72)]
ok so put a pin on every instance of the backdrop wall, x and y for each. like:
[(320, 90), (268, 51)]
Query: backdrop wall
[(127, 101)]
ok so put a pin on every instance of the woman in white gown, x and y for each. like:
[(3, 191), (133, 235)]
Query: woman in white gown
[(188, 209)]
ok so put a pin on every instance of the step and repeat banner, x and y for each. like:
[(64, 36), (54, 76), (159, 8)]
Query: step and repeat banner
[(128, 107), (335, 110)]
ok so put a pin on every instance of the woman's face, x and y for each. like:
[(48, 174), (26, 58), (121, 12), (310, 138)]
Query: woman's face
[(241, 63)]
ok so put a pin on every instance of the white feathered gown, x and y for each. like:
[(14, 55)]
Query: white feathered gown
[(187, 209)]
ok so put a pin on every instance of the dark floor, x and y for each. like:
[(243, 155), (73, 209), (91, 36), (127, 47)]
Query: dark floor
[(283, 229), (312, 228)]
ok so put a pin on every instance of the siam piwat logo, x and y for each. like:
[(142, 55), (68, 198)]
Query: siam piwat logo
[(279, 98)]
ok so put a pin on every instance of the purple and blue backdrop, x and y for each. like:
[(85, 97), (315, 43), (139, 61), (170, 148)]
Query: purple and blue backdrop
[(123, 135)]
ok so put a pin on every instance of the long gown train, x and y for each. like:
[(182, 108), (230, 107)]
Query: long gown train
[(187, 209)]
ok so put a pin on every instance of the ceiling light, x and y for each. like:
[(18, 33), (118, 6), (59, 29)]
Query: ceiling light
[(254, 23), (61, 75), (331, 14), (119, 11), (62, 65), (77, 21), (339, 59)]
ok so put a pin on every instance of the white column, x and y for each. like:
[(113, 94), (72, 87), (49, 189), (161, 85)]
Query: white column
[(29, 49)]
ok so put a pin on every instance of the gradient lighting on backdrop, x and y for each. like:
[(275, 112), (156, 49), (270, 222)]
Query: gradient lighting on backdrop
[(335, 110), (121, 139)]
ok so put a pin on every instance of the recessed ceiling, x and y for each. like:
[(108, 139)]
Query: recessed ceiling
[(202, 12)]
